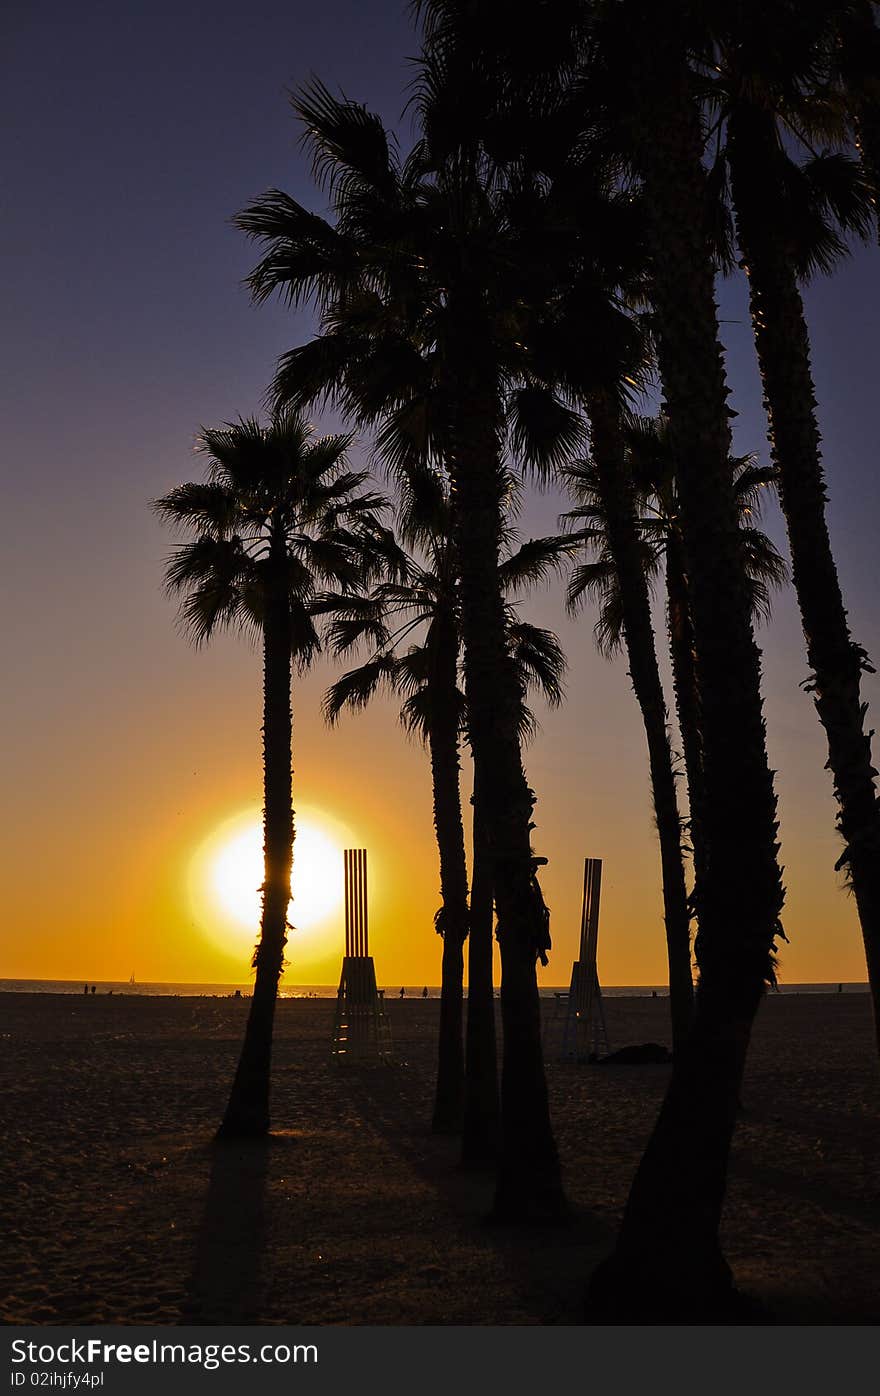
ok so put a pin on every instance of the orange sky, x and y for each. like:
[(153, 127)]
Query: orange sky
[(132, 766)]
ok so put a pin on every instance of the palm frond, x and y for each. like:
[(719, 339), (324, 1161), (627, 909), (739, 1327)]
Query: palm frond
[(306, 256), (590, 579), (356, 688), (305, 642), (545, 434), (415, 713), (540, 659), (346, 633), (208, 506), (535, 560), (347, 141)]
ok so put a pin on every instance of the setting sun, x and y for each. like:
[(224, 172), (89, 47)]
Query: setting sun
[(227, 872)]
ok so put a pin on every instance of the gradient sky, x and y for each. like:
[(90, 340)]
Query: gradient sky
[(136, 131)]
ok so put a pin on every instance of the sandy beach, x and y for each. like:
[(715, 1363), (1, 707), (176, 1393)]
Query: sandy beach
[(117, 1208)]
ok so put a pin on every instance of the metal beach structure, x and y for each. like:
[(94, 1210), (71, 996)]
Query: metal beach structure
[(361, 1031), (584, 1035)]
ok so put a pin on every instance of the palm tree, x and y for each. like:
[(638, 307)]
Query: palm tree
[(606, 503), (768, 96), (279, 516), (421, 603), (650, 460), (638, 84), (426, 282)]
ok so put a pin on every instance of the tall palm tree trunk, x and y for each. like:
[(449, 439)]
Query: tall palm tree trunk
[(453, 917), (247, 1113), (668, 1257), (529, 1182), (836, 661), (479, 1142), (623, 542), (687, 704)]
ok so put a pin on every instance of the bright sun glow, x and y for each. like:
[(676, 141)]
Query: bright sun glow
[(237, 873), (227, 873)]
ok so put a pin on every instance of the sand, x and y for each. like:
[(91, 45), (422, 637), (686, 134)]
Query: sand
[(117, 1209)]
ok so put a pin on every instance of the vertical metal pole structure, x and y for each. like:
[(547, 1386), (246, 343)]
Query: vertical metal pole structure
[(347, 905), (356, 863), (356, 920), (589, 937), (361, 1031), (366, 949), (359, 862), (360, 871)]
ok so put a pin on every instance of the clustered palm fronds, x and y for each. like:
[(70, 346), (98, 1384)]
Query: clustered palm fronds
[(493, 306)]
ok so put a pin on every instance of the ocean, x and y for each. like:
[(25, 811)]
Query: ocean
[(327, 991)]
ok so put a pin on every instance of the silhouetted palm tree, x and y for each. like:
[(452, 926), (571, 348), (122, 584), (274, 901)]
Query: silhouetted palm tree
[(791, 217), (427, 280), (279, 516), (650, 458), (420, 603), (637, 83), (619, 576)]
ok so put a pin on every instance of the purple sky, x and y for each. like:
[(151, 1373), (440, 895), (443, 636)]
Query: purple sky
[(137, 130)]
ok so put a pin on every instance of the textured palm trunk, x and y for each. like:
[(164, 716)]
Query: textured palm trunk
[(247, 1113), (529, 1181), (687, 704), (836, 661), (453, 919), (623, 542), (668, 1259), (479, 1141)]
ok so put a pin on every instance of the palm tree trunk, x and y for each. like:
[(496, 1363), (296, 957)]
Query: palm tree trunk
[(479, 1142), (453, 916), (668, 1253), (684, 684), (529, 1181), (247, 1114), (836, 661), (626, 553)]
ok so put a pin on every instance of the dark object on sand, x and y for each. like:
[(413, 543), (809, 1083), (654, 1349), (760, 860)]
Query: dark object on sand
[(645, 1053)]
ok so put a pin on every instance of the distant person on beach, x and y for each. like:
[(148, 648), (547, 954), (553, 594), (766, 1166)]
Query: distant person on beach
[(425, 992), (94, 987), (840, 988), (402, 993), (85, 988)]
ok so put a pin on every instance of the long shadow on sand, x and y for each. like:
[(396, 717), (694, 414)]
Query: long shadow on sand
[(548, 1265), (225, 1283)]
